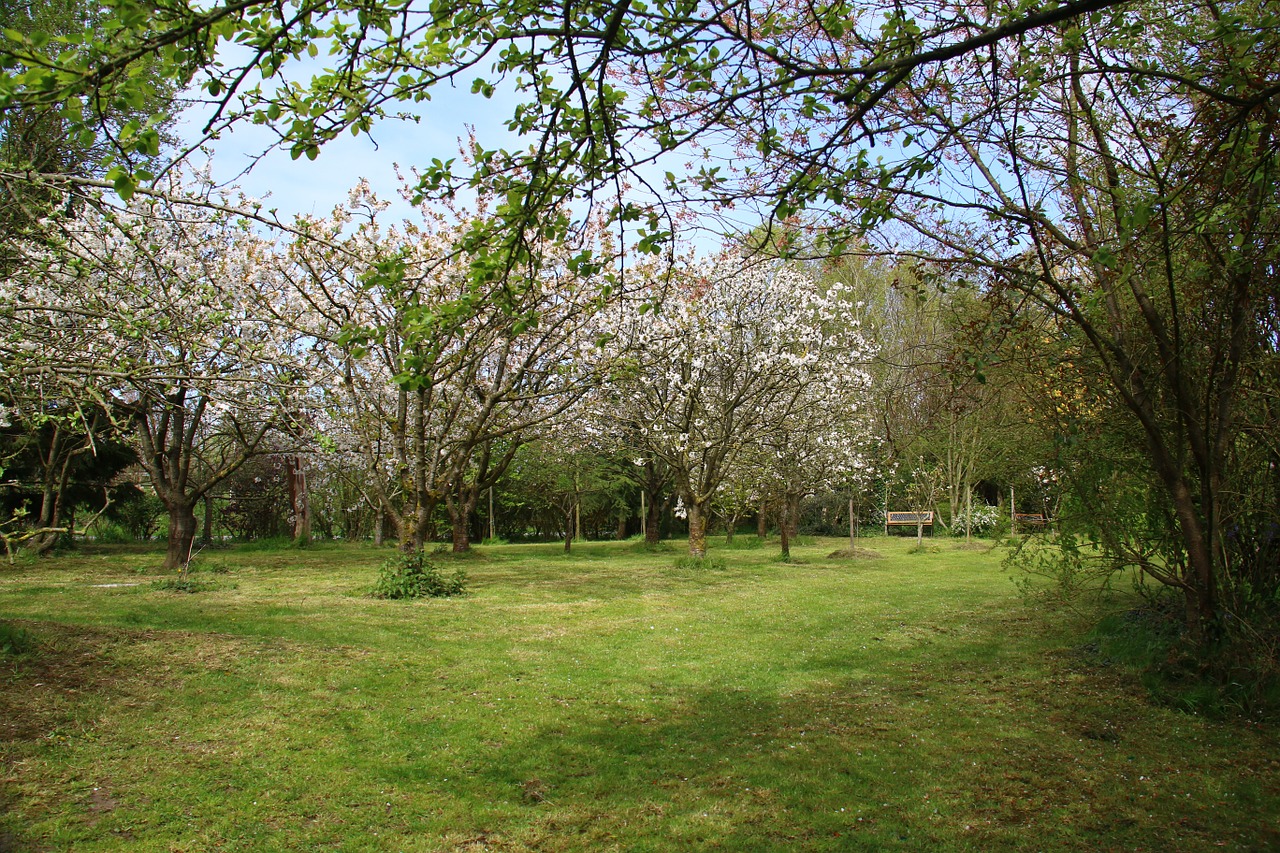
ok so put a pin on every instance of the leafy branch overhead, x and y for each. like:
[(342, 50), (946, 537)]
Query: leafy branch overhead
[(600, 92)]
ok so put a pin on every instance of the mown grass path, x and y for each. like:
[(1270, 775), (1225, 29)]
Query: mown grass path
[(600, 701)]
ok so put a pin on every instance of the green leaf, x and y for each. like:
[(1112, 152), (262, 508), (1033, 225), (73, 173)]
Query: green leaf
[(123, 182)]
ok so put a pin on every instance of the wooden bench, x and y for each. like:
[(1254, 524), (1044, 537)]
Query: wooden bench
[(908, 519), (1030, 519)]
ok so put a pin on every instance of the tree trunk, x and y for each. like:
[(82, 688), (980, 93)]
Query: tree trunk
[(461, 537), (762, 523), (968, 513), (853, 527), (788, 522), (784, 529), (55, 486), (569, 529), (697, 530), (460, 509), (182, 533), (652, 523), (299, 502), (493, 521), (414, 525)]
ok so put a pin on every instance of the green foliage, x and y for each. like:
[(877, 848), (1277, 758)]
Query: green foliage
[(110, 533), (1057, 572), (139, 513), (1234, 672), (415, 575), (270, 544), (1233, 680), (15, 640)]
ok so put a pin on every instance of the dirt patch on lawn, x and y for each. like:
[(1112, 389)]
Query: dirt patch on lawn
[(48, 691), (855, 554), (41, 687)]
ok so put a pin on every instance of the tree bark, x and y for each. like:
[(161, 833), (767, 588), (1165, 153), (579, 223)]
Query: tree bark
[(299, 502), (788, 522), (182, 533), (853, 527), (461, 539), (460, 509), (697, 530), (57, 474), (652, 523), (784, 530)]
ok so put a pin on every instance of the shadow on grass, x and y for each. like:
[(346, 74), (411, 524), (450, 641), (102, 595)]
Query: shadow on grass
[(963, 754)]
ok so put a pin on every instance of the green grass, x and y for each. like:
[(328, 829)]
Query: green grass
[(602, 700)]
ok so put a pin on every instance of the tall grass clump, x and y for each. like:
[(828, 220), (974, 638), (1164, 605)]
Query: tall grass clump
[(700, 563)]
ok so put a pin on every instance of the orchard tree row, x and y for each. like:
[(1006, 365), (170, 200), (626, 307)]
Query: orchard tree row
[(169, 339)]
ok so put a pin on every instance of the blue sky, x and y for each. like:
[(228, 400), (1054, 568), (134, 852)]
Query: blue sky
[(294, 187), (313, 187)]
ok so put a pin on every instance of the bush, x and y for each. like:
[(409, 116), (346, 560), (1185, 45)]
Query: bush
[(984, 520), (138, 513), (416, 576)]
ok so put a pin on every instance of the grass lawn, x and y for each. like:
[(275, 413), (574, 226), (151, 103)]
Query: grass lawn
[(605, 700)]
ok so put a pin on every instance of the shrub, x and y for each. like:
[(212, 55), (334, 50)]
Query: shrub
[(984, 520), (110, 533), (138, 513), (416, 576)]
